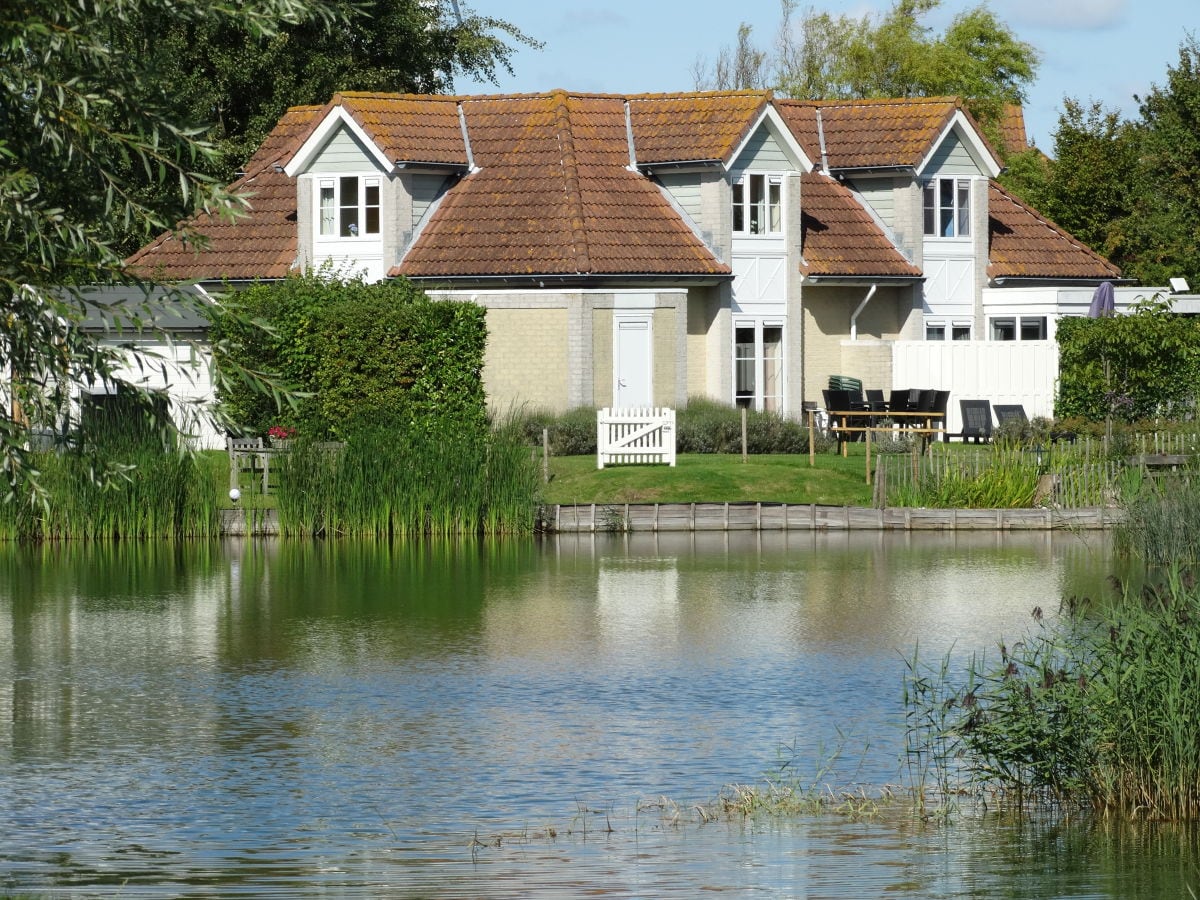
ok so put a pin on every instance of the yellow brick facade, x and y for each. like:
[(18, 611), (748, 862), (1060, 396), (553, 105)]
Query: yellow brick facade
[(526, 358)]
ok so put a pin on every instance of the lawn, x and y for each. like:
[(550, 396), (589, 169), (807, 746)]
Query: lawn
[(714, 478)]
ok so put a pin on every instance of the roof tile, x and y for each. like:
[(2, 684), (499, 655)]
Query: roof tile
[(838, 236), (1022, 243)]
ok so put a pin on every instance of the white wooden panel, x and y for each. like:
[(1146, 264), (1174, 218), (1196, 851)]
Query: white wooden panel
[(1024, 372)]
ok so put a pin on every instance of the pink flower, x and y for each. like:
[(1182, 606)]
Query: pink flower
[(281, 432)]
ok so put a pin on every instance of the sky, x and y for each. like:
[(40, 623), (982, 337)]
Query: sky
[(1104, 50)]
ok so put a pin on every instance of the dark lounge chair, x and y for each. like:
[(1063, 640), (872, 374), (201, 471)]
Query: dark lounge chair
[(976, 421), (1010, 412)]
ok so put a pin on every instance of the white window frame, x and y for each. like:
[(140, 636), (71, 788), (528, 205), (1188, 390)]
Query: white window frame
[(1018, 324), (763, 369), (340, 218), (767, 209), (946, 207)]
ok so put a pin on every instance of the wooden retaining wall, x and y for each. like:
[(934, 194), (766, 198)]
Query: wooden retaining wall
[(758, 517), (811, 517)]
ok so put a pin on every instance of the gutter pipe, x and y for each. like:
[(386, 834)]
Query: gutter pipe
[(854, 315)]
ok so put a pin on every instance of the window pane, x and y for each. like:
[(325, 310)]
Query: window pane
[(964, 207), (930, 218), (934, 332), (757, 200), (348, 211), (946, 207), (772, 368), (327, 216), (743, 354), (960, 333), (1033, 328), (371, 211), (739, 208), (776, 207), (1004, 330)]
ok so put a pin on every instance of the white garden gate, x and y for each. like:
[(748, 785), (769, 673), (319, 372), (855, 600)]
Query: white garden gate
[(635, 435)]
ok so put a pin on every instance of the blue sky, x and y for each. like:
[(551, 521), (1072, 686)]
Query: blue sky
[(1106, 50)]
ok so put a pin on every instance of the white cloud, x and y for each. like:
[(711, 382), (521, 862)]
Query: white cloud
[(1080, 15)]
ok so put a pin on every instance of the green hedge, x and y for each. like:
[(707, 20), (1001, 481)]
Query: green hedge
[(1140, 366), (353, 352)]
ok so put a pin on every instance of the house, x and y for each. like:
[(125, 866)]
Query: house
[(641, 250)]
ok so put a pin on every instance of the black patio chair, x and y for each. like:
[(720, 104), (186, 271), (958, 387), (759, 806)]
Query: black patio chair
[(941, 402), (1009, 412), (976, 421)]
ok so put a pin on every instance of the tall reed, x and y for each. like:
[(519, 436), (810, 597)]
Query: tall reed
[(1162, 520), (1100, 708), (160, 492), (389, 479)]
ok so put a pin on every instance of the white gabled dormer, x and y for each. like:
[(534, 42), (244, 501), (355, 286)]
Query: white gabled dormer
[(953, 182), (764, 201), (343, 182)]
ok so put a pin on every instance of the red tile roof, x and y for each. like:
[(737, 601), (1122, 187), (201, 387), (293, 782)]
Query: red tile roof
[(1022, 243), (838, 237), (259, 244), (553, 192), (696, 126), (554, 196), (870, 133)]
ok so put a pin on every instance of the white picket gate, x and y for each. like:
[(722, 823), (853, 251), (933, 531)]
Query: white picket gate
[(635, 435)]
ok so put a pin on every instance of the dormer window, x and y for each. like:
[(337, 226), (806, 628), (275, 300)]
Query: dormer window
[(348, 206), (948, 207), (758, 204)]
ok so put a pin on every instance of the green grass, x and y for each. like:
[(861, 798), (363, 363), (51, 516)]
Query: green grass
[(713, 478)]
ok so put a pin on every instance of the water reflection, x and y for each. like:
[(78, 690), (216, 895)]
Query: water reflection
[(482, 719)]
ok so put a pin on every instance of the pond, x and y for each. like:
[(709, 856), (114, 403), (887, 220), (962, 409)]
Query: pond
[(535, 718)]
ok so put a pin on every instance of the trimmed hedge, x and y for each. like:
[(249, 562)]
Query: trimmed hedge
[(354, 352)]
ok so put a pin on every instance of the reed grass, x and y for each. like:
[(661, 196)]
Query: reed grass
[(1162, 520), (392, 480), (158, 492), (1099, 709)]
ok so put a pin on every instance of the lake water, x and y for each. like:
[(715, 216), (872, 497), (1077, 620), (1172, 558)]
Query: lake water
[(514, 719)]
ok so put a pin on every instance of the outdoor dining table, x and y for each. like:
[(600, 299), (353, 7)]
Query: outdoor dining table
[(925, 424)]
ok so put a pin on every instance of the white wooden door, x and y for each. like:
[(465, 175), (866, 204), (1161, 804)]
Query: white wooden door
[(631, 363)]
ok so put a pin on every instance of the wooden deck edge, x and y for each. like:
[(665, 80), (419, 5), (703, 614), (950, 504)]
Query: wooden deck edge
[(628, 517)]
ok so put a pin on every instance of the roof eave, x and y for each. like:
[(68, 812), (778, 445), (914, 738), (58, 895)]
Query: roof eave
[(576, 280)]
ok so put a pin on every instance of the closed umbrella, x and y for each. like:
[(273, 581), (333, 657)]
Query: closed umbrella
[(1104, 301)]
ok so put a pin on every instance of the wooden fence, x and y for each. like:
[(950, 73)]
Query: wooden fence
[(635, 435)]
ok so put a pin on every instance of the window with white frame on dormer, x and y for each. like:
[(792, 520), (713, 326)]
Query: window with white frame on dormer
[(348, 206), (948, 207), (758, 204)]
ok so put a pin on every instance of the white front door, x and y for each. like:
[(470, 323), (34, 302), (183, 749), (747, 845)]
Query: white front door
[(631, 362)]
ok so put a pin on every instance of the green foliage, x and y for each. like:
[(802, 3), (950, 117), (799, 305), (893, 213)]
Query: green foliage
[(1130, 188), (89, 148), (395, 477), (1006, 478), (1162, 521), (238, 82), (824, 56), (164, 492), (1138, 366), (354, 352), (1100, 708)]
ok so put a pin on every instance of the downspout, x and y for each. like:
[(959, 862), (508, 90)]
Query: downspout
[(854, 315)]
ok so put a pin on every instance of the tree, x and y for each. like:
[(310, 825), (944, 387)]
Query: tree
[(236, 81), (76, 118), (1161, 236), (739, 69), (821, 56), (1090, 186), (1130, 189)]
